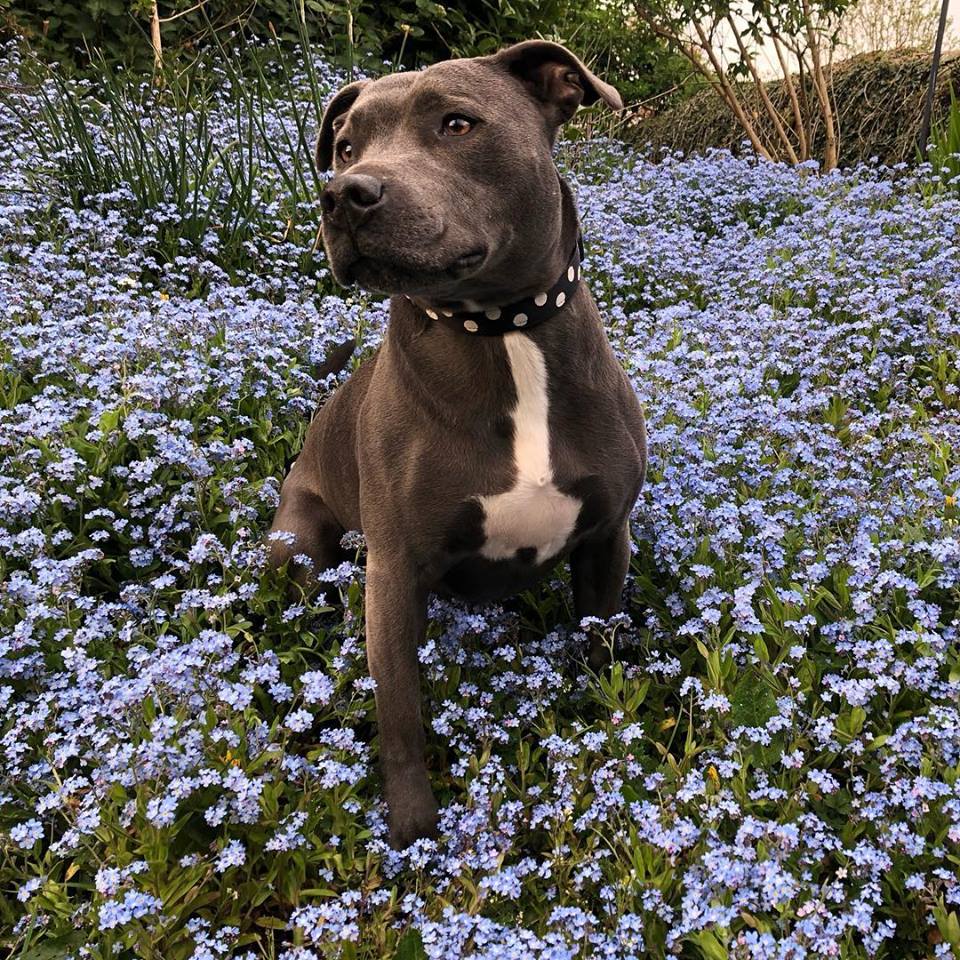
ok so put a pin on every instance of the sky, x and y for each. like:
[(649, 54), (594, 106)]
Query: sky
[(769, 67), (954, 12)]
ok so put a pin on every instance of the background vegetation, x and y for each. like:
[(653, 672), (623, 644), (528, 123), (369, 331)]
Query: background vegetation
[(766, 73), (361, 34), (879, 108)]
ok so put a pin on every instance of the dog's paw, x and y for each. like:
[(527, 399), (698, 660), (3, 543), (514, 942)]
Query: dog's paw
[(411, 810)]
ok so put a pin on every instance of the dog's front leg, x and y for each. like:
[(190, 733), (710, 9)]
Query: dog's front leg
[(396, 614), (598, 568)]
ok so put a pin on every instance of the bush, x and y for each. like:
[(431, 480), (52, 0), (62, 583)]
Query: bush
[(359, 34), (879, 98)]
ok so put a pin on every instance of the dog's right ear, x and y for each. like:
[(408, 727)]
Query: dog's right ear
[(338, 106)]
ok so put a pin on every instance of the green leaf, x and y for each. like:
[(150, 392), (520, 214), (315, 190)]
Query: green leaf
[(56, 949), (410, 946), (710, 945), (857, 718), (635, 700), (752, 704), (109, 420), (760, 649)]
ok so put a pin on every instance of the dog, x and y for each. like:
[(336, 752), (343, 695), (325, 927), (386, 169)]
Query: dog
[(493, 433)]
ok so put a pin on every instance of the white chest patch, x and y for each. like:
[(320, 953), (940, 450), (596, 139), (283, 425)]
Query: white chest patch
[(534, 513)]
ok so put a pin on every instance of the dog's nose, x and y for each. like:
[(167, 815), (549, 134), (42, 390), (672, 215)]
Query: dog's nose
[(357, 191)]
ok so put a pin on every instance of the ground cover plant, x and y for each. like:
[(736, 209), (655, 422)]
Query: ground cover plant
[(188, 761)]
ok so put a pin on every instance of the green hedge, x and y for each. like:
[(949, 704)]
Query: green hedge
[(879, 99)]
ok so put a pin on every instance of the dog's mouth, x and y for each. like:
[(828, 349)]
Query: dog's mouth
[(468, 261), (388, 274)]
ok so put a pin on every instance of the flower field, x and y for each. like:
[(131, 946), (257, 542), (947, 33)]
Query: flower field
[(188, 762)]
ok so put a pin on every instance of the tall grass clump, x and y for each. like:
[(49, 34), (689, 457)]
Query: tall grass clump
[(944, 150), (198, 178)]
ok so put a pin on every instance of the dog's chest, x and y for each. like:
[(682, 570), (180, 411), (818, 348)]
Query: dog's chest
[(533, 519)]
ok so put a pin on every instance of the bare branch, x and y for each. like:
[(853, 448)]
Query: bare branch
[(730, 95), (820, 88), (155, 41), (761, 87), (803, 145)]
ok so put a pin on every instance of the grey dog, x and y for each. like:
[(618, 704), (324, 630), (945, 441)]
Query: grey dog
[(493, 433)]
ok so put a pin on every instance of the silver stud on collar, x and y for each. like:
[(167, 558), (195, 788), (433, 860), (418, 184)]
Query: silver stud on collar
[(471, 325), (540, 299), (492, 314), (520, 320)]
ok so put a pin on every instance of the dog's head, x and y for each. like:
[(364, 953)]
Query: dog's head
[(444, 184)]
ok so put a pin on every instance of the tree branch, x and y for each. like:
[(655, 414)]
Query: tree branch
[(182, 13), (820, 88), (798, 124), (758, 82)]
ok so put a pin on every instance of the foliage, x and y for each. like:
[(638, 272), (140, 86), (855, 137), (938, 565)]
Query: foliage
[(770, 768), (69, 29), (355, 34), (161, 148), (944, 150), (627, 55)]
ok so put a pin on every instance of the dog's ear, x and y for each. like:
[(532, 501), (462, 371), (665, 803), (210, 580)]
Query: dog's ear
[(557, 78), (339, 105)]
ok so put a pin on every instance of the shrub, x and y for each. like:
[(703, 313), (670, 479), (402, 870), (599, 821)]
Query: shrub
[(359, 35), (879, 99)]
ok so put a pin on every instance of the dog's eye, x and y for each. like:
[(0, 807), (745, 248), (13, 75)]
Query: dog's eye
[(456, 125), (345, 151)]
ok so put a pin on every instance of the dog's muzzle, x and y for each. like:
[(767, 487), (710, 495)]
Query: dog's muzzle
[(353, 196)]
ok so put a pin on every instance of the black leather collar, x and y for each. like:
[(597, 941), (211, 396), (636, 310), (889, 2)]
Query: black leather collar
[(521, 314)]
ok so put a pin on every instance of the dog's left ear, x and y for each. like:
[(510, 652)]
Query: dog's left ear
[(338, 106), (557, 78)]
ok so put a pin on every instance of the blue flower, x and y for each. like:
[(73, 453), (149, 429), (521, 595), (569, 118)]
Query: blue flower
[(133, 906), (27, 834), (232, 855)]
